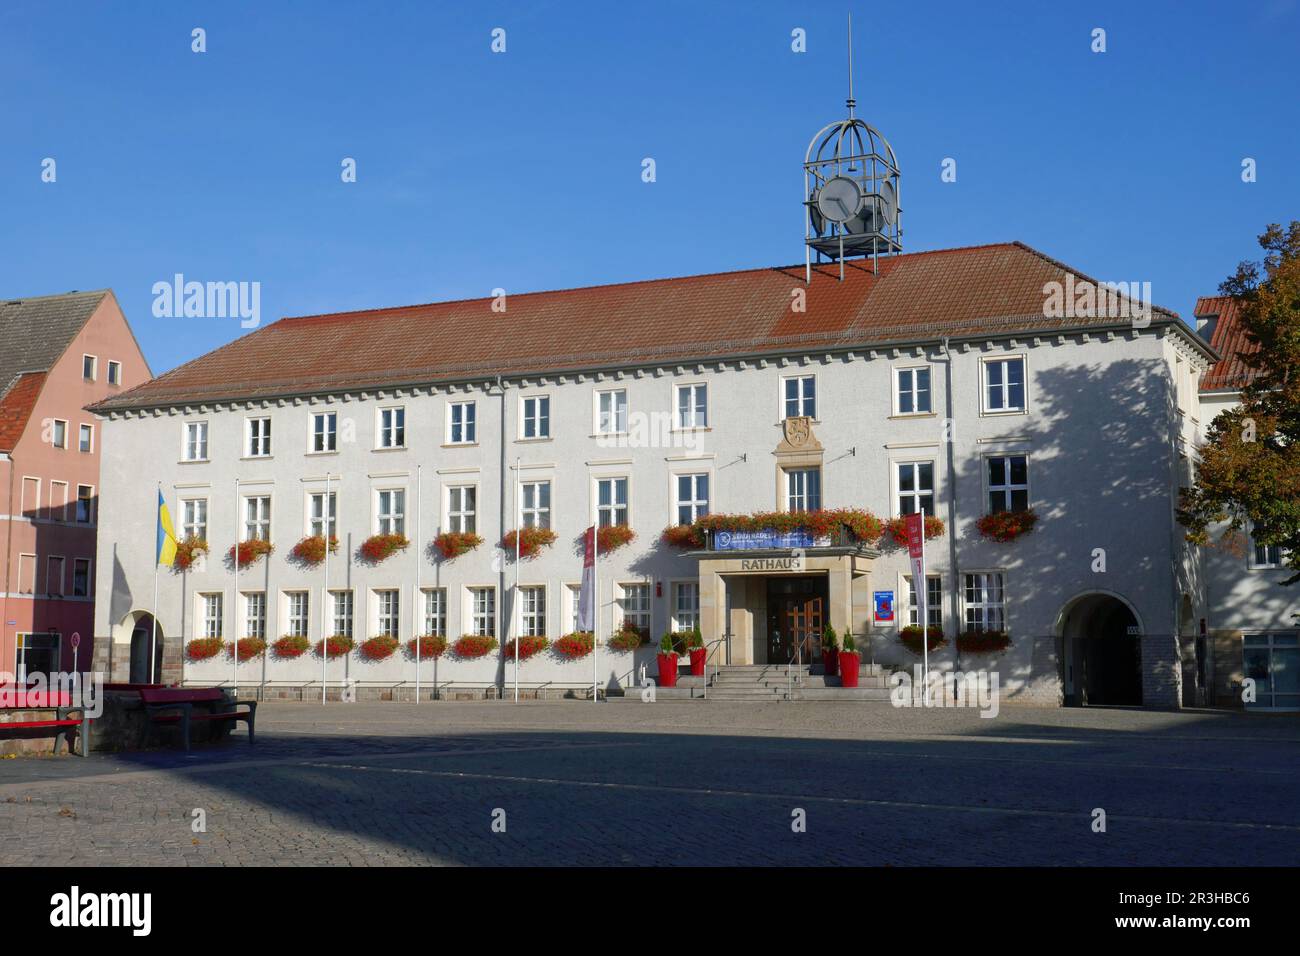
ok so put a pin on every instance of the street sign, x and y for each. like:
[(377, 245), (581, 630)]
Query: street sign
[(76, 640)]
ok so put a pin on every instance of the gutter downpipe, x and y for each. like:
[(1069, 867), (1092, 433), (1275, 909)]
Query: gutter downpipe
[(952, 504), (501, 531)]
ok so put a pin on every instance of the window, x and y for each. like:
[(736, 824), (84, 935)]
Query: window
[(435, 611), (37, 654), (26, 573), (532, 611), (194, 518), (460, 508), (692, 498), (611, 501), (257, 518), (912, 390), (255, 614), (114, 373), (1273, 662), (54, 574), (916, 487), (58, 504), (460, 424), (59, 434), (483, 611), (31, 497), (392, 427), (85, 504), (537, 417), (800, 396), (611, 412), (985, 602), (319, 522), (1004, 385), (196, 441), (259, 437), (342, 613), (933, 601), (535, 504), (803, 489), (324, 431), (211, 604), (1008, 483), (88, 366), (387, 610), (1264, 555), (693, 406), (635, 607), (86, 438), (81, 577), (299, 605), (686, 605), (391, 511)]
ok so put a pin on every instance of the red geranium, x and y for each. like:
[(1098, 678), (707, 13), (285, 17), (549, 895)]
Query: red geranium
[(910, 637), (379, 648), (291, 646), (528, 646), (531, 541), (895, 531), (380, 547), (684, 536), (983, 642), (249, 551), (249, 647), (452, 544), (431, 645), (612, 537), (188, 551), (1004, 526), (474, 645), (311, 550), (575, 646), (201, 648), (337, 645), (628, 638)]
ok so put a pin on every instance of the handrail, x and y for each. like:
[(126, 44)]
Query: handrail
[(795, 652), (717, 640)]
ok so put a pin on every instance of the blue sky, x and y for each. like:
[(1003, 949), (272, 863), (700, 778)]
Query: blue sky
[(522, 170)]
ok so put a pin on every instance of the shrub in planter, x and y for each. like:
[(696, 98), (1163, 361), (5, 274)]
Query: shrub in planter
[(249, 551), (201, 648), (531, 541), (910, 637), (895, 533), (311, 550), (688, 537), (849, 660), (626, 638), (291, 646), (431, 645), (830, 652), (576, 646), (679, 642), (188, 550), (983, 642), (336, 645), (248, 647), (470, 646), (381, 547), (667, 661), (379, 648), (1004, 526), (452, 544), (526, 646), (695, 647), (613, 537)]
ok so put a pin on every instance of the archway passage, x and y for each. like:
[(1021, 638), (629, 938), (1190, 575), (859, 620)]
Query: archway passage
[(1102, 653), (140, 635)]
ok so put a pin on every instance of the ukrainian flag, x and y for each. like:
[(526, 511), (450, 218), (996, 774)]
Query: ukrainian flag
[(166, 536)]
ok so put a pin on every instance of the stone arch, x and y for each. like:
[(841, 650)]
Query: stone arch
[(1099, 651)]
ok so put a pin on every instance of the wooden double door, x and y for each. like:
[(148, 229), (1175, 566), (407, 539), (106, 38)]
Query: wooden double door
[(796, 614)]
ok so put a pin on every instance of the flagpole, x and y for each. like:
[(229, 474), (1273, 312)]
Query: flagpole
[(514, 601), (415, 597), (595, 601), (234, 603), (153, 640), (325, 597)]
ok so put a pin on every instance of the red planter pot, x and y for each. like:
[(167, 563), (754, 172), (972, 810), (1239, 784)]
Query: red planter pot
[(697, 661), (667, 670), (831, 661), (849, 668)]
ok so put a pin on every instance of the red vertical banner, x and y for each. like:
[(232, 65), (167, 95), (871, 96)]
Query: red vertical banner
[(915, 524), (587, 596)]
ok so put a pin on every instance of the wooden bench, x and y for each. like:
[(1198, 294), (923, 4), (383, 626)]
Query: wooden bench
[(59, 701), (160, 701)]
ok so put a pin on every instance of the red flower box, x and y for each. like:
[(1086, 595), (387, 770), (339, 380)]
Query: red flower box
[(910, 637), (202, 648), (895, 532), (983, 642), (381, 547), (531, 541), (471, 646), (379, 648), (575, 646), (249, 551), (612, 537), (188, 551), (337, 646), (431, 645), (311, 550), (627, 638), (527, 647), (452, 544), (290, 646), (1004, 526), (249, 647), (688, 537)]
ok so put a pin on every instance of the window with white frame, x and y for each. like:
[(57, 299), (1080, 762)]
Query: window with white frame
[(912, 390), (387, 612), (461, 508), (611, 412), (536, 418), (255, 614), (59, 433), (324, 431), (341, 613), (532, 611), (915, 487), (196, 441), (634, 605), (1263, 555), (692, 497), (435, 611), (114, 373), (483, 611), (212, 617), (686, 605), (392, 427), (81, 577), (611, 501), (194, 518), (462, 428), (390, 511), (257, 517), (800, 396), (575, 597), (692, 405), (1008, 483), (933, 601), (88, 365), (535, 504), (322, 514), (85, 504), (985, 602), (1004, 385), (86, 438), (297, 612), (259, 437), (803, 489)]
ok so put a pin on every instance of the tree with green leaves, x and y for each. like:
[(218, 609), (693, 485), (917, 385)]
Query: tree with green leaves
[(1249, 474)]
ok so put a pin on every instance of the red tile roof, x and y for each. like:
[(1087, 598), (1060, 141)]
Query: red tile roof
[(16, 407), (918, 297), (1228, 338)]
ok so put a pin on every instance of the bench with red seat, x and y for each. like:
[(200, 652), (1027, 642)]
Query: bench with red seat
[(176, 705), (13, 698)]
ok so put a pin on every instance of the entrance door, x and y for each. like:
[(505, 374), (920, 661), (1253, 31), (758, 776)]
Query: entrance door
[(1273, 662), (1102, 663), (796, 614), (140, 653)]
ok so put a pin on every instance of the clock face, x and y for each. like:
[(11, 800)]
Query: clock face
[(840, 199)]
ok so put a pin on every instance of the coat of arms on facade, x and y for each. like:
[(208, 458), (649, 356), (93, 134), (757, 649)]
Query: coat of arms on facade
[(798, 431)]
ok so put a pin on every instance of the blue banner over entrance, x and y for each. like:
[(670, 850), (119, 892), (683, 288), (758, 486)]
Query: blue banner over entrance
[(759, 540)]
